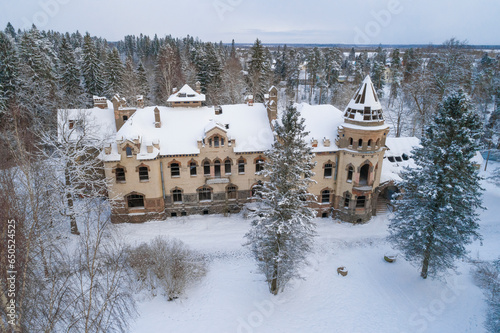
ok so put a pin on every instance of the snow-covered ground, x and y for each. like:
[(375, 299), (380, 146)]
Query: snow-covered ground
[(375, 296)]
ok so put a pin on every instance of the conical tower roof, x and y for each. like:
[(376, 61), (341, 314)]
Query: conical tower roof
[(365, 107)]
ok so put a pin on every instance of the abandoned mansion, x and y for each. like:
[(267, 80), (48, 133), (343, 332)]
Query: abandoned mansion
[(188, 158)]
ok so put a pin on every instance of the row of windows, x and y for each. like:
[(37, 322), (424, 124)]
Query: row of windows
[(360, 201), (175, 170), (360, 143)]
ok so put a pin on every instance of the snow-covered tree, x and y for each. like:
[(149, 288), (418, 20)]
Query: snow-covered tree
[(436, 216), (168, 72), (70, 89), (282, 229), (142, 81), (92, 68), (130, 86), (259, 71), (113, 73)]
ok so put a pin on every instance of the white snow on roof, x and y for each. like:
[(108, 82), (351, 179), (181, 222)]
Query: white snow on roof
[(365, 97), (99, 124), (321, 121), (397, 156), (186, 94), (183, 127)]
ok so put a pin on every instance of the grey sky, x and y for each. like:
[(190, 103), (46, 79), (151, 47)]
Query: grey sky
[(278, 21)]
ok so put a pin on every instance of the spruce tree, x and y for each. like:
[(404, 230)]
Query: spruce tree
[(8, 65), (436, 216), (282, 231), (113, 73), (142, 81), (92, 68), (258, 72), (70, 89)]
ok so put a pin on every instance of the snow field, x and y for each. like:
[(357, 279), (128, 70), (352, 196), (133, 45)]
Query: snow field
[(375, 296)]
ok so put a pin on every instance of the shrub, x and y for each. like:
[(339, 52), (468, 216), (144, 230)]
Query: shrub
[(166, 265)]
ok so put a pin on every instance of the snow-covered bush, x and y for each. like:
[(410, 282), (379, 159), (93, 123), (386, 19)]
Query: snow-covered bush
[(166, 265), (487, 276)]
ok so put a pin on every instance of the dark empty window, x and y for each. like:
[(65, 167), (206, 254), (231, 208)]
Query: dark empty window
[(399, 159), (360, 143), (370, 143), (135, 201), (391, 159), (183, 214), (177, 195), (143, 173), (192, 168), (120, 174), (205, 212), (259, 165), (206, 168), (241, 166), (351, 141), (347, 200), (325, 196), (175, 170), (350, 172), (363, 174), (216, 141), (125, 118), (405, 157), (217, 171), (227, 167), (231, 192), (324, 215), (328, 170), (360, 203), (173, 214), (204, 193), (128, 150)]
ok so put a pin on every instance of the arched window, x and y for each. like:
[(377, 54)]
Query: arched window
[(177, 195), (347, 200), (370, 143), (135, 201), (192, 168), (351, 141), (360, 143), (143, 174), (227, 167), (120, 174), (377, 143), (175, 170), (216, 141), (259, 165), (231, 192), (241, 165), (328, 170), (350, 172), (206, 168), (360, 202), (363, 174), (325, 196), (217, 171), (205, 193), (128, 151)]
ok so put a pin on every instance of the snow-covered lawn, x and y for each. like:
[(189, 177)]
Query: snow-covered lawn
[(375, 296)]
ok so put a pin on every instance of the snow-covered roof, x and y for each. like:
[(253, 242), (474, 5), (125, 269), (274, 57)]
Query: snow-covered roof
[(321, 121), (96, 124), (186, 94), (397, 156), (365, 105), (182, 128)]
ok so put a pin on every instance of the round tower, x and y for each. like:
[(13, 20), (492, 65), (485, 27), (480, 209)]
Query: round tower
[(361, 141)]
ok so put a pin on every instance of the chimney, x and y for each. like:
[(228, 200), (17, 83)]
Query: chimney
[(157, 118), (140, 101), (100, 102), (198, 87), (174, 90)]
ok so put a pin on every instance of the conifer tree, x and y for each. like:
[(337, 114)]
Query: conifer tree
[(70, 89), (113, 73), (130, 83), (142, 81), (436, 216), (8, 66), (92, 68), (282, 230), (258, 72)]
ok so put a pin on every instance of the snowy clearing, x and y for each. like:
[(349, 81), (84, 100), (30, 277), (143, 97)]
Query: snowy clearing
[(375, 296)]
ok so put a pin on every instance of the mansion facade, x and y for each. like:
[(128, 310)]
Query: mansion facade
[(186, 158)]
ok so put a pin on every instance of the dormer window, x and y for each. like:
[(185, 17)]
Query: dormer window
[(216, 142), (128, 151), (181, 95)]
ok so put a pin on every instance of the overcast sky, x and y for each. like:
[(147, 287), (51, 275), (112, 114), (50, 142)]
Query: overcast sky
[(273, 21)]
